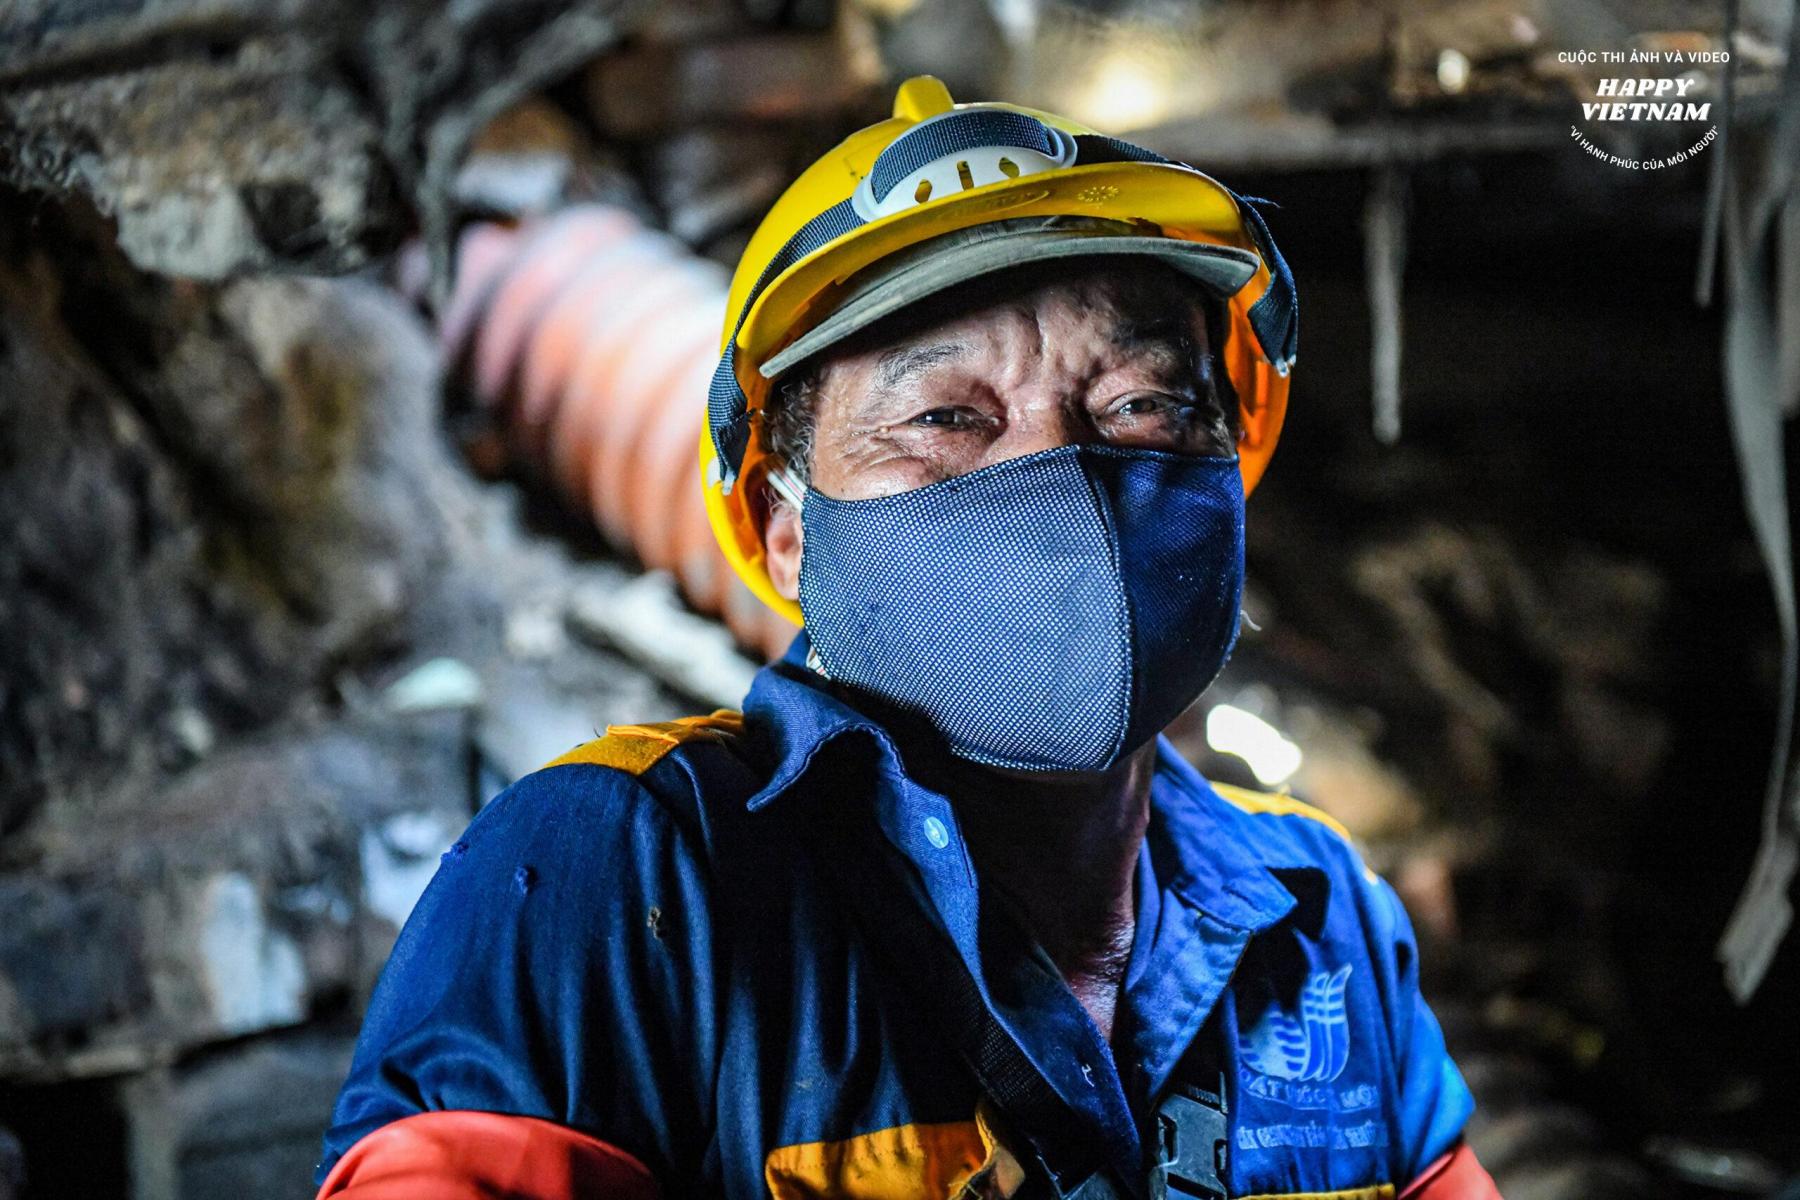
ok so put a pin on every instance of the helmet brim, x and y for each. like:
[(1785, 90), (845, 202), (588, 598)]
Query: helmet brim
[(948, 260)]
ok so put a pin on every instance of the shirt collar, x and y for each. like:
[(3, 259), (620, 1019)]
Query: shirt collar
[(1205, 856), (1202, 855), (793, 709)]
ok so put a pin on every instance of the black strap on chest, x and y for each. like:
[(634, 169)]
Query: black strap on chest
[(1193, 1143)]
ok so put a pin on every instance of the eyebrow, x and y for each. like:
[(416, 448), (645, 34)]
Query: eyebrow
[(906, 363), (1169, 342)]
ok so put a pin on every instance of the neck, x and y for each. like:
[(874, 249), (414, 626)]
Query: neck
[(1064, 850)]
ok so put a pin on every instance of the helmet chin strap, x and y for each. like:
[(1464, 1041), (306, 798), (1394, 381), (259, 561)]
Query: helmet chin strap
[(793, 493), (791, 490)]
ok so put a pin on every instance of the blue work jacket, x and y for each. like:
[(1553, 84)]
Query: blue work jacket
[(645, 942)]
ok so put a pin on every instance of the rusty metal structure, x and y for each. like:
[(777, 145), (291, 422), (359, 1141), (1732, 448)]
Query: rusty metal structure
[(586, 333)]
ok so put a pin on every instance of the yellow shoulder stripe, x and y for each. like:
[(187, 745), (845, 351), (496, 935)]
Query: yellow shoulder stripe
[(637, 748), (1282, 805)]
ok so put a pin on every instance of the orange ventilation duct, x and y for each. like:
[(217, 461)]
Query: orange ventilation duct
[(593, 338)]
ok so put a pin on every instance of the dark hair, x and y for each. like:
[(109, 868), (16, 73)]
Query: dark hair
[(1140, 291)]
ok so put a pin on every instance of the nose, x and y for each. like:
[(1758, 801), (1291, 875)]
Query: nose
[(1035, 423)]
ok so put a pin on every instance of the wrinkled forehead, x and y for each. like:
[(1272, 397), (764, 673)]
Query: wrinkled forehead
[(1135, 310)]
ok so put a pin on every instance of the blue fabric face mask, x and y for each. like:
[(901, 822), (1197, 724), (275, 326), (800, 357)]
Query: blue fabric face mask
[(1049, 613)]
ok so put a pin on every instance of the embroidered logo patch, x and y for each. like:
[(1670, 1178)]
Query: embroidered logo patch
[(1310, 1046)]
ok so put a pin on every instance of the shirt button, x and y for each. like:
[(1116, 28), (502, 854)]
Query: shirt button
[(935, 833)]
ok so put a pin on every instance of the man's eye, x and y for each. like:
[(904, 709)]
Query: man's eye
[(945, 418), (1155, 404)]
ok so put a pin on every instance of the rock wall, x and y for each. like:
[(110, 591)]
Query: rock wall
[(229, 135)]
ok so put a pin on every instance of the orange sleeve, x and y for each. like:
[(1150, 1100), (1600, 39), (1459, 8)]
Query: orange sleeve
[(484, 1156), (1455, 1176)]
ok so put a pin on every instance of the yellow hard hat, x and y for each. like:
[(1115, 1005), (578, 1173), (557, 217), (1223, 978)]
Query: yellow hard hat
[(937, 168)]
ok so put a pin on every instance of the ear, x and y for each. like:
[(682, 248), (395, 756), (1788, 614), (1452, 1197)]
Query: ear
[(783, 536)]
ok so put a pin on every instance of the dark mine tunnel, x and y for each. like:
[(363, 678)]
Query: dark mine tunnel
[(352, 364)]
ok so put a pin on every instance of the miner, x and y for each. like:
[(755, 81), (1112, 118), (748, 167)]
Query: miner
[(940, 913)]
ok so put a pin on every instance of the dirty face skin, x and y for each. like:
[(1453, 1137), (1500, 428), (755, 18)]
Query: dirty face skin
[(1059, 363)]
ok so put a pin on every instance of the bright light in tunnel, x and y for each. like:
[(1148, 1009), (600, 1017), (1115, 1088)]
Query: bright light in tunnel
[(1271, 756), (1452, 71), (1127, 90)]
